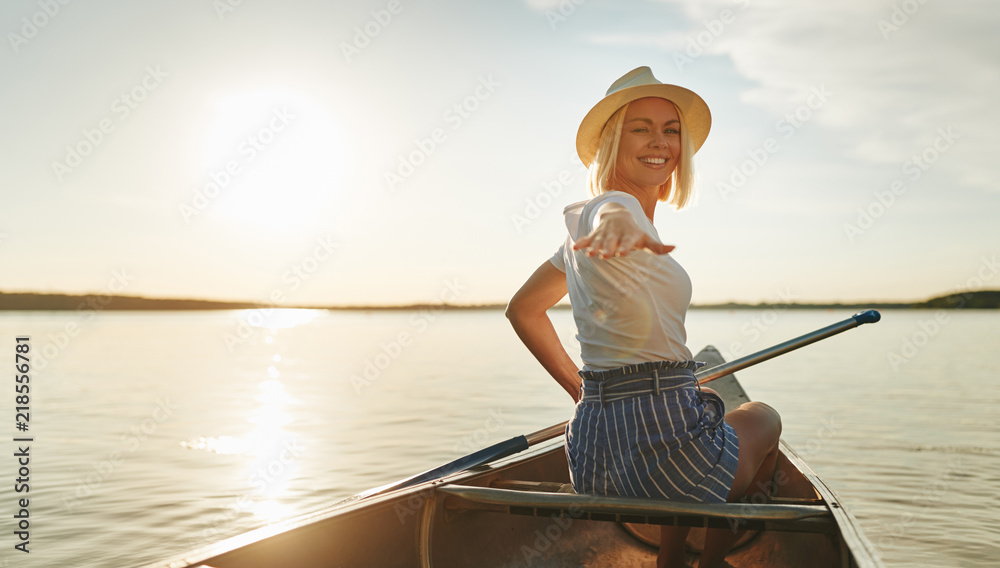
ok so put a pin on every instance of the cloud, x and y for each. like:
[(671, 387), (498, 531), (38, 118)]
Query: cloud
[(900, 70)]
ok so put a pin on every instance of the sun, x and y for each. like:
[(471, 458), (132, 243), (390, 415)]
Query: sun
[(273, 159)]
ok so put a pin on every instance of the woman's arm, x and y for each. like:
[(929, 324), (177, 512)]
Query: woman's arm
[(527, 314)]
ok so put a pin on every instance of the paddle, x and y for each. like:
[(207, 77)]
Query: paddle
[(521, 443)]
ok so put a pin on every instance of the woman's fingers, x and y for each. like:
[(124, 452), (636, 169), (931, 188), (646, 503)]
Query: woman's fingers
[(628, 245), (659, 248), (618, 236), (607, 246), (589, 244), (596, 244)]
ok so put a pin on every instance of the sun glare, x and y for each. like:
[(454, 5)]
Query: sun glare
[(279, 318), (273, 159)]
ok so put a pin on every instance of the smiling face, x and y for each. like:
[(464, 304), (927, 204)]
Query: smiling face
[(650, 145)]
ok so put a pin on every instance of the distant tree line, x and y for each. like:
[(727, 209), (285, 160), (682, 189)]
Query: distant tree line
[(981, 300)]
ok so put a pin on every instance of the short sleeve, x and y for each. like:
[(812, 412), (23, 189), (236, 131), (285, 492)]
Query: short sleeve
[(558, 260)]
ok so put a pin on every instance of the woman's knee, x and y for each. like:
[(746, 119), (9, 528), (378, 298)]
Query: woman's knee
[(768, 414), (762, 412), (763, 419)]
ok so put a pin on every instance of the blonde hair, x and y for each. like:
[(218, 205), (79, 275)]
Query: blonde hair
[(678, 190)]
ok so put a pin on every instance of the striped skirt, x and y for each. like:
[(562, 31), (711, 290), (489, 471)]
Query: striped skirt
[(648, 430)]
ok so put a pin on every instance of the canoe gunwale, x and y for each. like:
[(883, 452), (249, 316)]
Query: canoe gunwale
[(862, 551)]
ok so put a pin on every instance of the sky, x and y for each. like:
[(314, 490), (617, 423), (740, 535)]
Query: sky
[(391, 152)]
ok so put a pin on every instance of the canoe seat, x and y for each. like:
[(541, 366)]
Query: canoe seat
[(549, 498), (540, 486), (556, 487)]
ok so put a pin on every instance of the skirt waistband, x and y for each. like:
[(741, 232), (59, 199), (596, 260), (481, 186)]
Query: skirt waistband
[(651, 377)]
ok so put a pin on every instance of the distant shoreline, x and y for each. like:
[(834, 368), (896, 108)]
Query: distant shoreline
[(985, 299)]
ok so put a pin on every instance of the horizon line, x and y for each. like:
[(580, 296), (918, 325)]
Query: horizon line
[(245, 304)]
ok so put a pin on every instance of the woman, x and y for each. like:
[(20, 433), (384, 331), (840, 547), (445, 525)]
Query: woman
[(642, 426)]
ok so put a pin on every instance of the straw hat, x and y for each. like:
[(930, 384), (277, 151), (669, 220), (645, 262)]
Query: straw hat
[(636, 84)]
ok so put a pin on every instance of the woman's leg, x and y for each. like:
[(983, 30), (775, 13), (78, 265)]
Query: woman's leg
[(758, 427), (672, 549)]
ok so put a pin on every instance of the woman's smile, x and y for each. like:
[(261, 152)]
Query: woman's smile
[(654, 162)]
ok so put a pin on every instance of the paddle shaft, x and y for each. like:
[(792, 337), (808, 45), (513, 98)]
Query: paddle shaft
[(860, 318), (520, 443)]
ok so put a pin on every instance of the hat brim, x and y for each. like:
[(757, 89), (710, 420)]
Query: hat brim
[(694, 112)]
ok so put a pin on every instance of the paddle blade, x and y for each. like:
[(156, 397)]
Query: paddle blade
[(485, 455)]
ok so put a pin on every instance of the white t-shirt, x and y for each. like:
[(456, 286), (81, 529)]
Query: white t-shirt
[(628, 309)]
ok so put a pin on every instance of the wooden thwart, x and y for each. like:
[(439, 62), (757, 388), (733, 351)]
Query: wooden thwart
[(556, 487), (548, 501)]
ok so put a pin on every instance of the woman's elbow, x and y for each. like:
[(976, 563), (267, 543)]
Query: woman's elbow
[(541, 291), (513, 309), (519, 309)]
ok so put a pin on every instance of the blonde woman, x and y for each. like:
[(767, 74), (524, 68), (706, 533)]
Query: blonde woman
[(642, 426)]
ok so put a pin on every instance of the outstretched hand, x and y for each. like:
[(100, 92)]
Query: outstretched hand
[(618, 234)]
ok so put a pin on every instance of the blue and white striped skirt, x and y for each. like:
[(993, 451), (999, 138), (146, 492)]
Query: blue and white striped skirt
[(636, 436)]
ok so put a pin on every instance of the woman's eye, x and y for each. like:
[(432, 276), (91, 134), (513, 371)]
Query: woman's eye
[(640, 130)]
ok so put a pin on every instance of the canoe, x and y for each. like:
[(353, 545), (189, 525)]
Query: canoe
[(521, 511)]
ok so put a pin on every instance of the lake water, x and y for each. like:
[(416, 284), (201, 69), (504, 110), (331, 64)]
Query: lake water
[(157, 432)]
